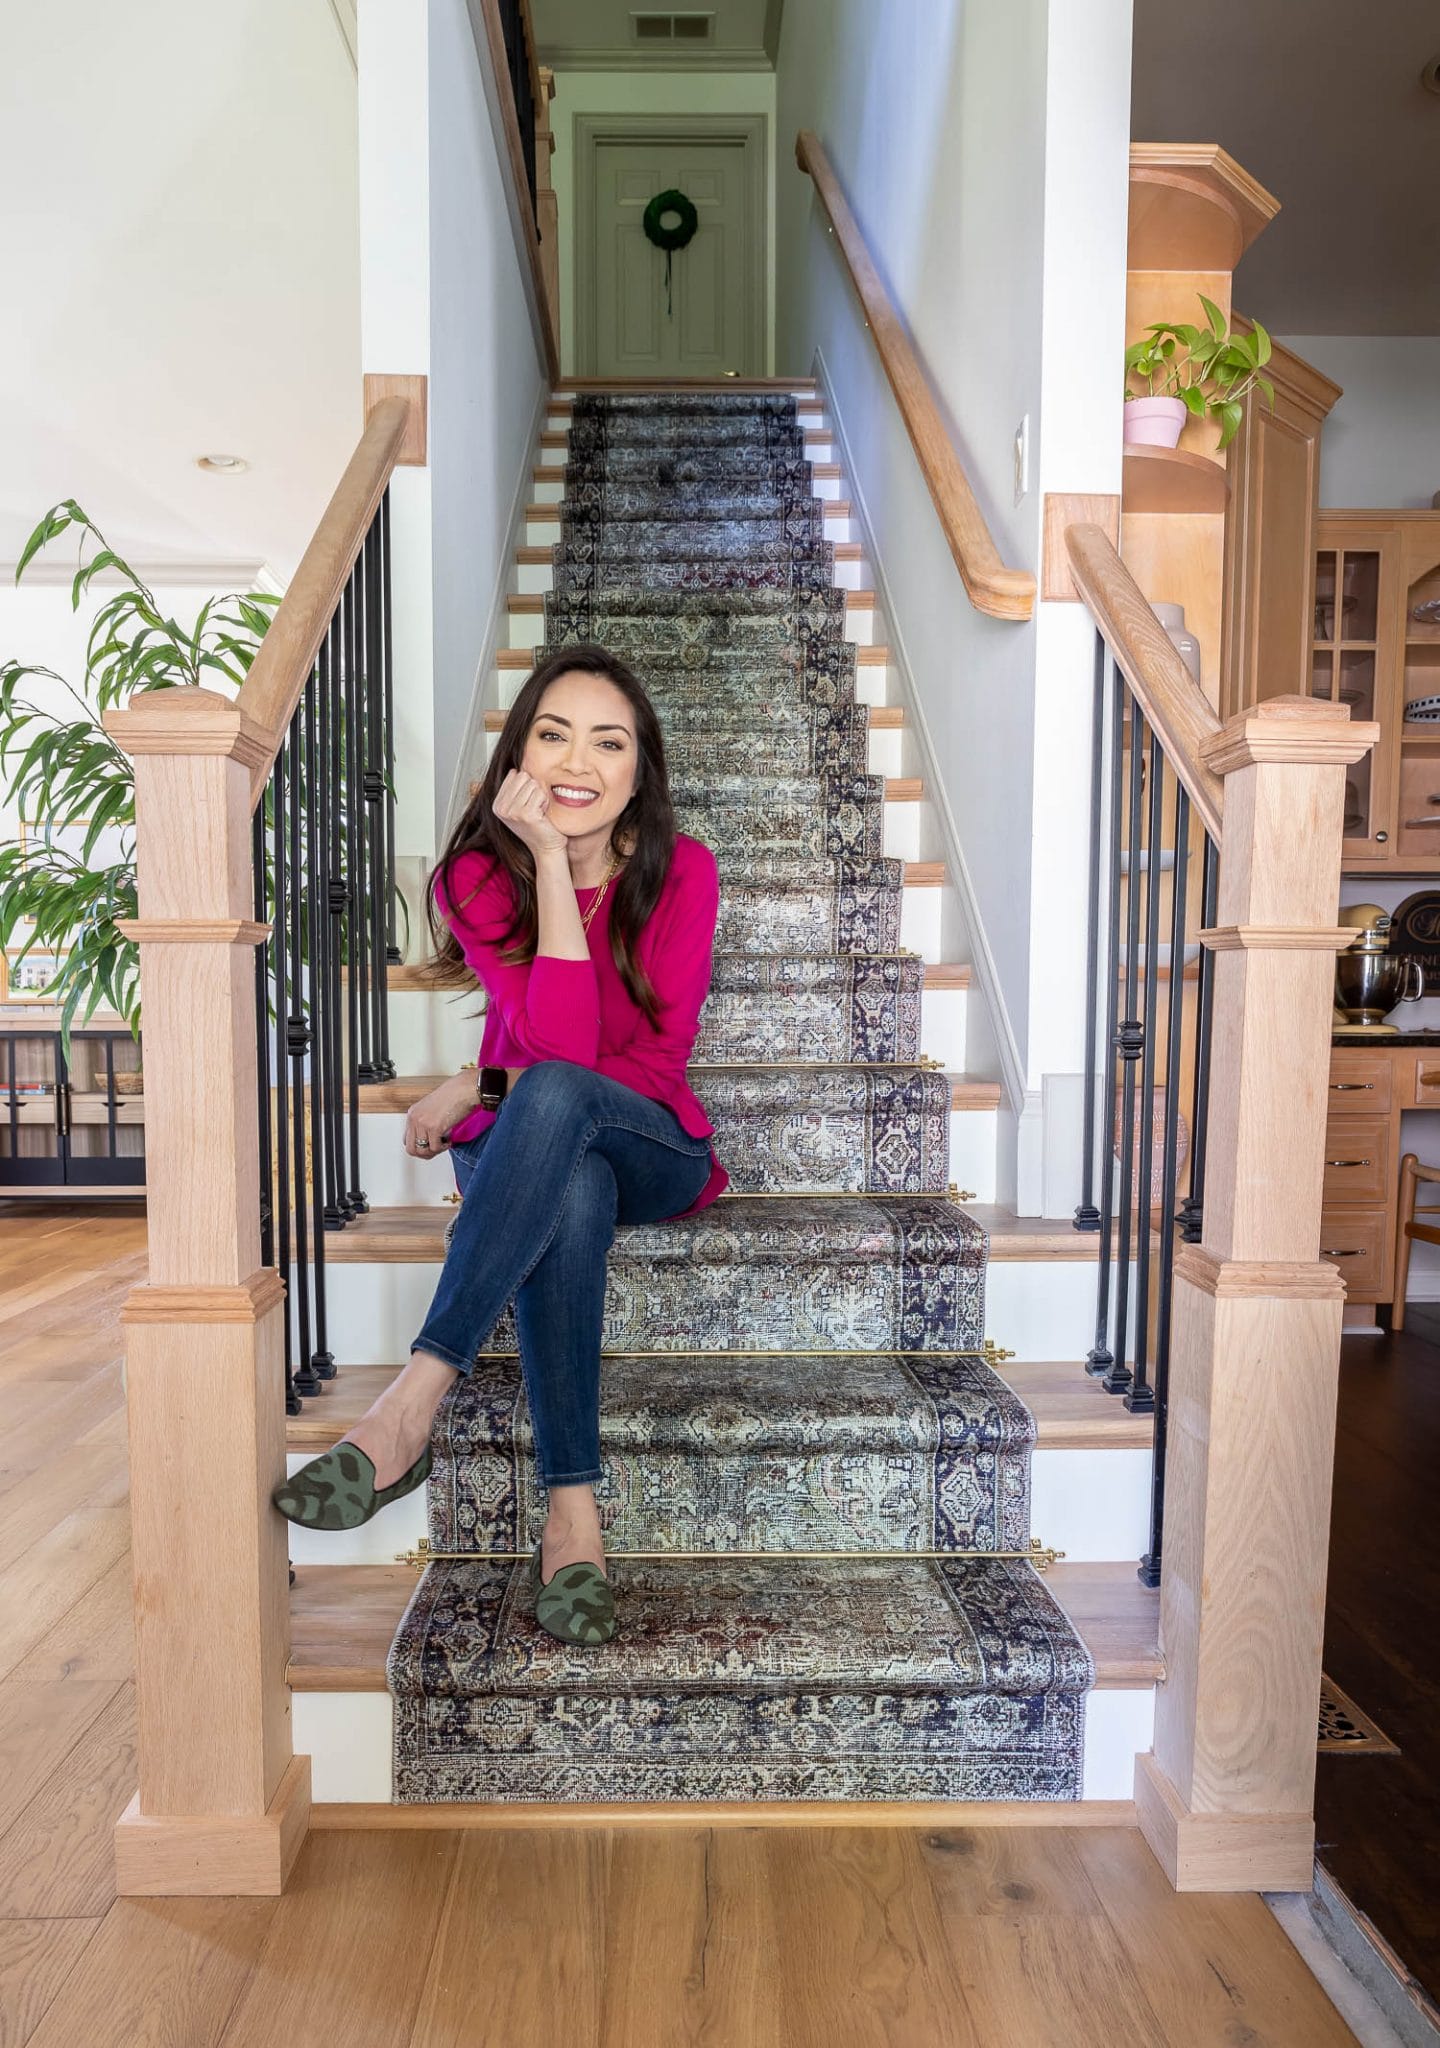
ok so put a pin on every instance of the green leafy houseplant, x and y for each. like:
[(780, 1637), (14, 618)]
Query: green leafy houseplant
[(1209, 369), (66, 775)]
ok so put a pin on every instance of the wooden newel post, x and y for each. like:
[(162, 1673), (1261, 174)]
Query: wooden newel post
[(1226, 1798), (222, 1804)]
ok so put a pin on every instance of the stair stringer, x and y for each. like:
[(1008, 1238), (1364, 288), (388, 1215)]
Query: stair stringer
[(993, 1049)]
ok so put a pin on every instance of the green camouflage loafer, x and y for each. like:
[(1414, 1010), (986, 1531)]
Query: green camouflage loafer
[(577, 1606), (338, 1490)]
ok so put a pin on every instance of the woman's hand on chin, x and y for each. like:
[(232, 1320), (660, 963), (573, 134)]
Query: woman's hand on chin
[(522, 804), (435, 1115)]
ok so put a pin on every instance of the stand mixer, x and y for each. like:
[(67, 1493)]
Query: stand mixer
[(1369, 979)]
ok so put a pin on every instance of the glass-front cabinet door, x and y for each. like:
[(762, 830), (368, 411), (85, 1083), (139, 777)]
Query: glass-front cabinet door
[(1417, 833), (1351, 662), (76, 1123)]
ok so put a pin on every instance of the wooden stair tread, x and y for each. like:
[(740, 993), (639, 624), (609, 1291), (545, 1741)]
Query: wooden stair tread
[(525, 603), (1071, 1411), (411, 1234), (833, 508), (411, 978), (829, 472), (639, 386), (522, 658), (543, 556), (883, 718), (389, 1098), (343, 1619), (560, 438)]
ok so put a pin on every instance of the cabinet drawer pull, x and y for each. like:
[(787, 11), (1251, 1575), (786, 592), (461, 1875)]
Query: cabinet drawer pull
[(1349, 1162), (1411, 823), (1350, 1087), (1427, 1080), (1357, 1253)]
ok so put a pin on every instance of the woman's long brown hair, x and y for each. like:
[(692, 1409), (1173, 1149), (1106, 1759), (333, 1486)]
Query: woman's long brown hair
[(644, 832)]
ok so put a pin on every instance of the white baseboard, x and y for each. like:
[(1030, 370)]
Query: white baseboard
[(982, 960), (497, 628)]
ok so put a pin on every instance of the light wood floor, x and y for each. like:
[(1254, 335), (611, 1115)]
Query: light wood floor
[(816, 1938)]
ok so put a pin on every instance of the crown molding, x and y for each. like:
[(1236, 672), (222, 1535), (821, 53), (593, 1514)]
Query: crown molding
[(573, 57), (187, 572)]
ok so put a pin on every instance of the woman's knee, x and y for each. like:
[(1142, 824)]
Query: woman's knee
[(554, 1092), (591, 1204)]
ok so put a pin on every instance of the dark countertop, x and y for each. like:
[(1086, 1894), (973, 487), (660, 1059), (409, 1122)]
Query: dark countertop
[(1369, 1038)]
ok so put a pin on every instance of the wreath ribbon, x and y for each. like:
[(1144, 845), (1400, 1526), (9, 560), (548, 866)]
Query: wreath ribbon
[(672, 238)]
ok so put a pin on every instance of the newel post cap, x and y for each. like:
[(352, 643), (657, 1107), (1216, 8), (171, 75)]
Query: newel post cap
[(189, 720), (1305, 731)]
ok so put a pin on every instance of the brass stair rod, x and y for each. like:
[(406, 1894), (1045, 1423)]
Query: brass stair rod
[(1039, 1554)]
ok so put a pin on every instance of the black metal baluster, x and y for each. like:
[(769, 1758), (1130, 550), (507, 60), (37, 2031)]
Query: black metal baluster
[(1129, 1043), (387, 672), (1087, 1216), (294, 1284), (297, 1045), (1150, 1563), (1193, 1208), (262, 1040), (111, 1116), (329, 897), (374, 783), (1100, 1357), (357, 1008), (1139, 1395), (322, 1362)]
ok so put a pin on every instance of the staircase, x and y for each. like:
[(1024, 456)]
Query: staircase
[(803, 1368)]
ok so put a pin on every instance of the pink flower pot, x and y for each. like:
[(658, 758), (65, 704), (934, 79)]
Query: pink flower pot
[(1154, 422)]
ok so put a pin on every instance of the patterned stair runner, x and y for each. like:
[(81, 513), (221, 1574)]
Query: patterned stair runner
[(796, 1369)]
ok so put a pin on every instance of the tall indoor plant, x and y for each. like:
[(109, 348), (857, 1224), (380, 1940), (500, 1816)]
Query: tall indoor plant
[(67, 776), (1190, 372)]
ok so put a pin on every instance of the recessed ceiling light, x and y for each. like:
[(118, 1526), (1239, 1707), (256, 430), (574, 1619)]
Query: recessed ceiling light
[(1430, 76), (227, 465)]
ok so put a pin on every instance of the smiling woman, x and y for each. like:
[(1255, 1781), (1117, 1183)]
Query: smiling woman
[(589, 921)]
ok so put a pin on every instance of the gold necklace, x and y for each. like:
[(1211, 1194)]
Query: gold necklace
[(612, 869)]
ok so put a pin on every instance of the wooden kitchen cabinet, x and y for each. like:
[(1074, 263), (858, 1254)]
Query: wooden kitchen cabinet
[(1269, 589), (1370, 650)]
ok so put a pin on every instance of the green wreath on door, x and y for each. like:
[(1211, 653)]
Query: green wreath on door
[(672, 238)]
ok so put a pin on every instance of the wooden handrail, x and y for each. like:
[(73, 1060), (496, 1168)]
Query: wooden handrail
[(495, 37), (287, 654), (1173, 703), (993, 588)]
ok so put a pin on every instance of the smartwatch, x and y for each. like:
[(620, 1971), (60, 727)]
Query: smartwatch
[(491, 1087)]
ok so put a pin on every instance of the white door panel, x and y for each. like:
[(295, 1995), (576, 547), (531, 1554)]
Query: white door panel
[(706, 328)]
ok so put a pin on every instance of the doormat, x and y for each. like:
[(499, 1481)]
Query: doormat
[(1344, 1730)]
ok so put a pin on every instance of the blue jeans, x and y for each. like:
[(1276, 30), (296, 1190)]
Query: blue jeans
[(570, 1154)]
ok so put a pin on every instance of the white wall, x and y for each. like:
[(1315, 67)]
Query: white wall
[(648, 94), (180, 254), (444, 293), (1381, 444), (983, 151)]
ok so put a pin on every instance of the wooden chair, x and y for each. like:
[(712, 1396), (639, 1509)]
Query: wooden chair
[(1407, 1229)]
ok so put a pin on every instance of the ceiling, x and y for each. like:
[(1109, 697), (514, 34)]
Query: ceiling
[(180, 249), (1322, 102), (596, 35)]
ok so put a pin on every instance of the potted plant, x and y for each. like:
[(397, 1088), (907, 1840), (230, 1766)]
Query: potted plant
[(1193, 373), (67, 777)]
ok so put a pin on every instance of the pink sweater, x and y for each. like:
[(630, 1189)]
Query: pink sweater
[(580, 1010)]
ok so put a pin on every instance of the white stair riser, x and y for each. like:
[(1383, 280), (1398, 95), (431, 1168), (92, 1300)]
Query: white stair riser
[(349, 1738), (885, 756), (1093, 1505), (434, 1033), (392, 1179), (872, 685), (534, 579), (526, 628), (820, 450), (1042, 1308), (1037, 1308), (548, 490), (839, 526)]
